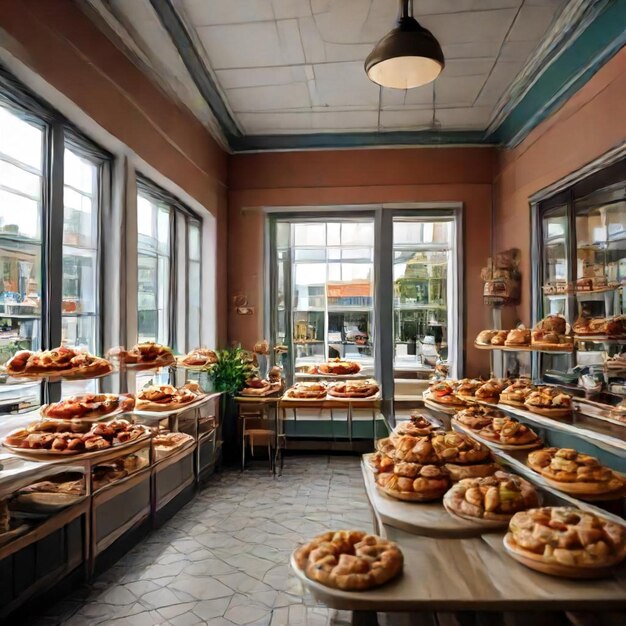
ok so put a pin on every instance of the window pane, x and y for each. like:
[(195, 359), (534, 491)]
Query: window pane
[(357, 233), (20, 180), (163, 227), (193, 306), (20, 140), (310, 234), (145, 218), (146, 298), (163, 299), (19, 215), (194, 241), (80, 253)]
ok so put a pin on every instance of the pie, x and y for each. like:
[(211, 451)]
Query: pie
[(88, 406), (354, 389), (496, 498), (484, 337), (308, 391), (516, 393), (518, 337), (100, 436), (413, 481), (62, 361), (474, 417), (549, 401), (258, 387), (443, 393), (451, 447), (335, 367), (566, 536), (145, 355), (459, 472), (574, 472), (199, 357), (167, 397), (506, 431), (416, 426), (550, 340), (350, 560)]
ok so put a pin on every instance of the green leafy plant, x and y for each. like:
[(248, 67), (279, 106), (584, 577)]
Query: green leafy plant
[(233, 367)]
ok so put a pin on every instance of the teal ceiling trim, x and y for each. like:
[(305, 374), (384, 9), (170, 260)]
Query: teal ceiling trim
[(574, 66), (356, 140)]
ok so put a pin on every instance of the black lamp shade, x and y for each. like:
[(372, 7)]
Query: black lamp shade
[(407, 57)]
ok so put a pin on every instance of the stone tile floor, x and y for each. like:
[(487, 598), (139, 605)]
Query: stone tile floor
[(223, 558)]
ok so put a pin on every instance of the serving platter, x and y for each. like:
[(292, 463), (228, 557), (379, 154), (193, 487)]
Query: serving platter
[(449, 409), (162, 411), (456, 425), (87, 419)]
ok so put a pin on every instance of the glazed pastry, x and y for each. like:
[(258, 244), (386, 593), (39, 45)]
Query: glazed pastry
[(354, 389), (336, 367), (443, 393), (467, 389), (518, 337), (350, 560), (167, 397), (417, 426), (499, 338), (381, 463), (62, 361), (88, 405), (549, 401), (567, 536), (414, 450), (574, 472), (473, 417), (311, 391), (413, 481), (495, 498), (490, 391), (507, 431), (386, 446), (452, 447), (516, 393), (485, 336)]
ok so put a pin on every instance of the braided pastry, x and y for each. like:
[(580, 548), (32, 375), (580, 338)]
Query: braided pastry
[(453, 447), (350, 560)]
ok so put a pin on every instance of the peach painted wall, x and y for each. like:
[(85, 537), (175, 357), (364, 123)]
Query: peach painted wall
[(55, 39), (319, 178), (590, 123)]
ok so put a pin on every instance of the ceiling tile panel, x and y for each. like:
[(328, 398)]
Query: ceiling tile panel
[(503, 74), (532, 22), (259, 76), (344, 84), (467, 67), (208, 12), (470, 27), (429, 7), (284, 9), (464, 118), (255, 44), (420, 96), (407, 119), (275, 97), (474, 49), (262, 123), (458, 89), (314, 47)]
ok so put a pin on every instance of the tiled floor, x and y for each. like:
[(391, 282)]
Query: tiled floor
[(223, 559)]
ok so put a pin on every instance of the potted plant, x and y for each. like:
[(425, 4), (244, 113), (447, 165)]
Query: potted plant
[(229, 375)]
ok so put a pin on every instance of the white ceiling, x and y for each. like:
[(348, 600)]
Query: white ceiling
[(296, 66)]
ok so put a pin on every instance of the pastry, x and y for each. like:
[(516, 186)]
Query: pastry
[(166, 443), (167, 397), (147, 354), (480, 470), (495, 498), (553, 323), (499, 338), (550, 340), (549, 401), (509, 432), (466, 390), (385, 445), (416, 426), (261, 347), (452, 447), (489, 391), (473, 417), (380, 462), (88, 405), (518, 337), (354, 389), (410, 449), (70, 487), (62, 361), (350, 560), (335, 367), (416, 482), (199, 357), (256, 387), (485, 336), (443, 393), (516, 393), (568, 538), (574, 472), (310, 391)]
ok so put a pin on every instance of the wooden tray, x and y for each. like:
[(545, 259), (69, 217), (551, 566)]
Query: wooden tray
[(537, 562)]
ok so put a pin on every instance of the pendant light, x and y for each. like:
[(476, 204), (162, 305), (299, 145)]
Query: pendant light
[(407, 57)]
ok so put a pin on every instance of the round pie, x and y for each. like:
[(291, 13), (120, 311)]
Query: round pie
[(480, 470), (451, 447), (549, 402), (574, 472), (350, 560), (354, 389), (507, 431), (309, 391), (495, 498), (473, 417), (571, 540), (415, 482)]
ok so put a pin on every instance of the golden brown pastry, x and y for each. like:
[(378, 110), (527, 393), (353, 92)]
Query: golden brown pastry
[(467, 388), (414, 450), (381, 463), (494, 498), (350, 560), (549, 401), (485, 336), (416, 426), (308, 390), (507, 431), (567, 536), (489, 391), (479, 470), (443, 393), (415, 482), (553, 323), (473, 417), (574, 472), (336, 367), (516, 393), (499, 338), (199, 357), (452, 447), (354, 389), (518, 337)]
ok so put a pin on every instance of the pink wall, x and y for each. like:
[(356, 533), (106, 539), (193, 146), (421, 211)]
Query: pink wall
[(318, 178), (590, 123)]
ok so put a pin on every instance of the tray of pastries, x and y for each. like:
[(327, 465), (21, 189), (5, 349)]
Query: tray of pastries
[(466, 389), (490, 391), (335, 367), (350, 560), (307, 391), (549, 402), (443, 392), (113, 471), (164, 398), (88, 407), (260, 388), (565, 541), (198, 358), (491, 500), (414, 482), (516, 393), (416, 426), (62, 362), (502, 432), (166, 443), (354, 389), (601, 327), (575, 473), (552, 333), (49, 496), (101, 437), (145, 355)]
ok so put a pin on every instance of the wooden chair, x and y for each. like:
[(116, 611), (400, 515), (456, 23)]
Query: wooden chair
[(254, 429)]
